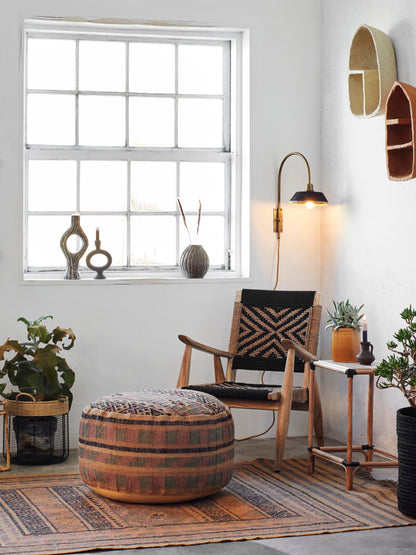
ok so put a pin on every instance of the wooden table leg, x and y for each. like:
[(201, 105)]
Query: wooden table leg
[(6, 438), (370, 418), (349, 468), (311, 456)]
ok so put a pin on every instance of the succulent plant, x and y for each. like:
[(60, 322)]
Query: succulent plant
[(399, 369), (344, 315)]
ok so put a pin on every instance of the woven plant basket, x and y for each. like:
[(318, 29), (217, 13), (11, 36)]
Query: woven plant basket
[(37, 408), (406, 447)]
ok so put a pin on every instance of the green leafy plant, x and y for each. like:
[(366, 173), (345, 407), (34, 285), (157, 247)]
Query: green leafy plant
[(344, 315), (399, 369), (37, 368)]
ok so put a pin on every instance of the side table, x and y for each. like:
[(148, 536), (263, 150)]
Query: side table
[(350, 370), (6, 439)]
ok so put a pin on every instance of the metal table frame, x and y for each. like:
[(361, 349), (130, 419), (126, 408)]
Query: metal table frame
[(350, 370)]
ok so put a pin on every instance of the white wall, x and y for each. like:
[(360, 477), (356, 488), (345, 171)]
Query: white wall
[(127, 335), (367, 234)]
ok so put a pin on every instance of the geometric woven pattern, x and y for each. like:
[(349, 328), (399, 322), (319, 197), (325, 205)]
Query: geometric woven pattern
[(56, 514), (263, 328), (169, 452)]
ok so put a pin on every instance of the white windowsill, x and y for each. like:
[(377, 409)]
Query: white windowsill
[(132, 279)]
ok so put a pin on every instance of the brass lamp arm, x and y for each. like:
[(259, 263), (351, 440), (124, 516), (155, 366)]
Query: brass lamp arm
[(280, 172), (278, 212)]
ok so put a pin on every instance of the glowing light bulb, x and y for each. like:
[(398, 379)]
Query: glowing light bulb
[(309, 205)]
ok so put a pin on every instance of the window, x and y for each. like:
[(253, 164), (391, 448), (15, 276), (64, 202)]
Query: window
[(119, 122)]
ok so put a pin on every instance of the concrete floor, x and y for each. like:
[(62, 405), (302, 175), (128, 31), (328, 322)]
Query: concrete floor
[(385, 541)]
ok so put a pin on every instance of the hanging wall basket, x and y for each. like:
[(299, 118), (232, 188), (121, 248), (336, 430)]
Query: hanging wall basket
[(372, 71)]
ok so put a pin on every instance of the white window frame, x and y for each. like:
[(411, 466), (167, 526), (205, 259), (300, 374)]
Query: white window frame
[(231, 154)]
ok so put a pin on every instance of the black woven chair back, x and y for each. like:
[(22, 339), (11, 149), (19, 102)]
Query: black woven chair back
[(265, 318)]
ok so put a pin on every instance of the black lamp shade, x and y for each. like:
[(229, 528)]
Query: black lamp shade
[(315, 197)]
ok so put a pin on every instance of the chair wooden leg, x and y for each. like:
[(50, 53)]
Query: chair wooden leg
[(318, 420), (183, 378), (284, 410)]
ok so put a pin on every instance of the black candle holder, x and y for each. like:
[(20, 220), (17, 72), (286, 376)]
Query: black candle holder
[(365, 356)]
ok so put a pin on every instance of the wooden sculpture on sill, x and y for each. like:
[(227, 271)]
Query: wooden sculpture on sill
[(401, 132), (372, 71)]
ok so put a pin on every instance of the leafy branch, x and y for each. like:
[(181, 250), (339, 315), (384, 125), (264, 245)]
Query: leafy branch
[(398, 370)]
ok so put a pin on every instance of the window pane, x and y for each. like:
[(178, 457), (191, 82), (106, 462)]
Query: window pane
[(52, 185), (202, 181), (51, 119), (51, 64), (151, 122), (103, 185), (153, 240), (112, 237), (153, 186), (102, 66), (200, 69), (200, 123), (152, 67), (211, 236), (102, 120), (44, 236)]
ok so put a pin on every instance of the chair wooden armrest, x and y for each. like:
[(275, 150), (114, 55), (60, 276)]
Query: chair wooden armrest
[(204, 348), (302, 353)]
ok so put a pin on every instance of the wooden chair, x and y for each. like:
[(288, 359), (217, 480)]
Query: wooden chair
[(271, 331)]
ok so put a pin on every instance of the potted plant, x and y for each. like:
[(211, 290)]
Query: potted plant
[(398, 370), (345, 324), (42, 382)]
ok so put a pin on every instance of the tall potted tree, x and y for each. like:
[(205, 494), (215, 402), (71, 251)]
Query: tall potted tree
[(41, 395), (345, 323), (398, 370)]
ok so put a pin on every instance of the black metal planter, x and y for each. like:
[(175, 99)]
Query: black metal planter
[(406, 446)]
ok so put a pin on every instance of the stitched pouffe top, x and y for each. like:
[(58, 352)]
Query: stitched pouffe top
[(156, 402), (156, 445)]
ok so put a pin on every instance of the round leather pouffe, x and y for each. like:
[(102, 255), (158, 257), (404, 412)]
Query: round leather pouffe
[(156, 445)]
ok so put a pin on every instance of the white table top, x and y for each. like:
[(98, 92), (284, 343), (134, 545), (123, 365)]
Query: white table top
[(343, 367)]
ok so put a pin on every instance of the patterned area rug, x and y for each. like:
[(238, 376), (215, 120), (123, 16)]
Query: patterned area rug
[(53, 514)]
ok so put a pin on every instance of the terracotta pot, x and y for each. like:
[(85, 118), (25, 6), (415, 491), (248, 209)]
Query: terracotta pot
[(345, 344)]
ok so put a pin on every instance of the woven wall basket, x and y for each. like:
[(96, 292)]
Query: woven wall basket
[(37, 408), (401, 132), (372, 71)]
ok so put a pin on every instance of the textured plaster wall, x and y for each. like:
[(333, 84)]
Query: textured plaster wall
[(368, 231), (127, 334)]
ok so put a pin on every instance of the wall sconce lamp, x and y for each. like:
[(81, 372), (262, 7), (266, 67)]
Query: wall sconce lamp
[(308, 198)]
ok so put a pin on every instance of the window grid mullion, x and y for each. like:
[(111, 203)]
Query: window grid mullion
[(178, 218), (128, 218), (176, 120), (77, 93)]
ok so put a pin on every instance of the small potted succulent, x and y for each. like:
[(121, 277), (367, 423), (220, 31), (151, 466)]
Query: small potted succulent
[(398, 370), (345, 323), (41, 383)]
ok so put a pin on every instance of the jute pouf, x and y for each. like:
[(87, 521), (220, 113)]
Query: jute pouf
[(156, 445)]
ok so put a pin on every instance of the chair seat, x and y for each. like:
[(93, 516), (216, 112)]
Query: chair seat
[(235, 390)]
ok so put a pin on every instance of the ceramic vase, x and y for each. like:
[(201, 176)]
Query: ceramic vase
[(406, 450), (345, 344), (194, 261)]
